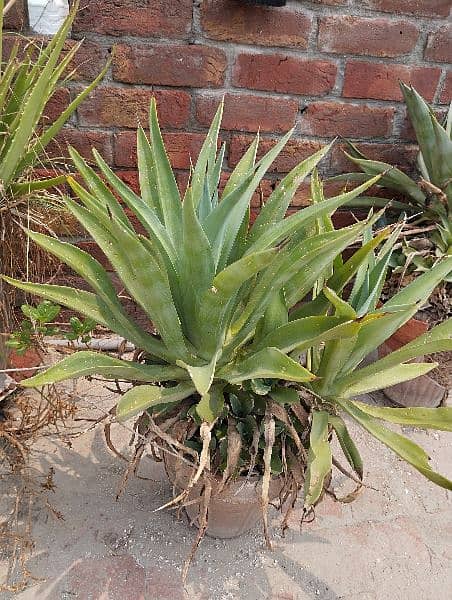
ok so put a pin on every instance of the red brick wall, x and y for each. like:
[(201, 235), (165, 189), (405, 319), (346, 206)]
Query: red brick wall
[(327, 67)]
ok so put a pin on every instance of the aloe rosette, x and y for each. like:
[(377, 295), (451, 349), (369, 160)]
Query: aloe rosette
[(233, 307)]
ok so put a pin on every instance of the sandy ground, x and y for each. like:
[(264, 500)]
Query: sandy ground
[(394, 542)]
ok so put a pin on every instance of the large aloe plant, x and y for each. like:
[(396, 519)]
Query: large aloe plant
[(428, 199), (224, 299)]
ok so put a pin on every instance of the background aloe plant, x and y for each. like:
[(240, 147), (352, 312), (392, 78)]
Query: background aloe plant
[(222, 364), (427, 200), (29, 78)]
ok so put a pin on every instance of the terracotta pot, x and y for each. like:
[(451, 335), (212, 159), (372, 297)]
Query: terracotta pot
[(422, 391), (31, 358), (232, 512)]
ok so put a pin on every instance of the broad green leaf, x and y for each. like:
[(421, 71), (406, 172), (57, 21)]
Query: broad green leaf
[(340, 278), (383, 378), (202, 377), (206, 157), (143, 397), (218, 301), (304, 333), (424, 418), (420, 289), (402, 446), (343, 308), (242, 170), (392, 178), (284, 395), (302, 218), (438, 339), (127, 253), (374, 332), (147, 175), (276, 206), (268, 363), (211, 404), (319, 459), (85, 363), (112, 312), (169, 197)]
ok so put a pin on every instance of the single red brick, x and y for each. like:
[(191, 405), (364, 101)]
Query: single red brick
[(375, 37), (16, 19), (130, 178), (249, 113), (56, 105), (380, 81), (127, 107), (89, 60), (293, 153), (439, 45), (286, 74), (182, 148), (83, 140), (428, 8), (446, 94), (175, 65), (146, 18), (402, 156), (235, 22), (349, 120)]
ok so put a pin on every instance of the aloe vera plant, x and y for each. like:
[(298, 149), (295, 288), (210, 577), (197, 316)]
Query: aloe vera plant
[(427, 200), (27, 83), (233, 305)]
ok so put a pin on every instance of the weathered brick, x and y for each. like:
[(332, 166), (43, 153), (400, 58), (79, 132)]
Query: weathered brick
[(402, 156), (83, 140), (439, 45), (182, 148), (235, 22), (56, 105), (380, 81), (293, 153), (428, 8), (374, 37), (146, 18), (286, 74), (88, 62), (127, 107), (174, 65), (349, 120), (16, 19), (249, 113), (446, 94)]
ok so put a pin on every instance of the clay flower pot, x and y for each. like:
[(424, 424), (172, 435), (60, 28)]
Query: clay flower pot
[(422, 391), (30, 358), (233, 511)]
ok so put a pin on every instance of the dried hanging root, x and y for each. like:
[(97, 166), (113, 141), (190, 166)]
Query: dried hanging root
[(204, 461), (296, 481), (269, 436), (203, 522), (233, 455)]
